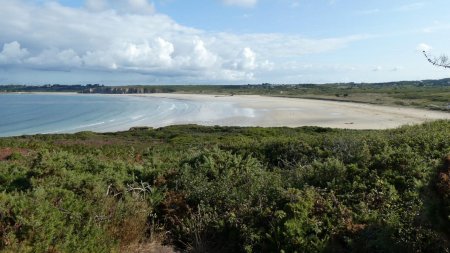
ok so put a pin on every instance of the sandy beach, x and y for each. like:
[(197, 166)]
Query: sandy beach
[(41, 113), (292, 112)]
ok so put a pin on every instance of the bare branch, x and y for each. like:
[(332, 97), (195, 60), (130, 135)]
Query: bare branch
[(143, 189), (441, 61)]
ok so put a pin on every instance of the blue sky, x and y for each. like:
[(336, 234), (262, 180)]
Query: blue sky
[(220, 41)]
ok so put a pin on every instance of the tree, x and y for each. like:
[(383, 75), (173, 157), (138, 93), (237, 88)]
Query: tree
[(441, 61)]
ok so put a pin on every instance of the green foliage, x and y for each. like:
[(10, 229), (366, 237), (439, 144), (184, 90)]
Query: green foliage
[(237, 187), (228, 189), (310, 220)]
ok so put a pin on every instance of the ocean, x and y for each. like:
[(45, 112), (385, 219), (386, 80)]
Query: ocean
[(25, 114)]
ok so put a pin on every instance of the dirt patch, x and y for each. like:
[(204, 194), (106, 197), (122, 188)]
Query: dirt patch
[(93, 142), (148, 248), (443, 183), (5, 153)]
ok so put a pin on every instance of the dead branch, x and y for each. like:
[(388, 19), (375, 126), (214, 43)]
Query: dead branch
[(441, 61)]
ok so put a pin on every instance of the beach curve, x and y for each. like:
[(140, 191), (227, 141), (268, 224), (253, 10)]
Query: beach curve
[(268, 111)]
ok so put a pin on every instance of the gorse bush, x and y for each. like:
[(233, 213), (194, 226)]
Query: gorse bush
[(238, 188), (228, 189)]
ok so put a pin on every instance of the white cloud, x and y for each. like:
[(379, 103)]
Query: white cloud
[(377, 68), (12, 53), (436, 27), (202, 57), (141, 6), (125, 6), (386, 69), (241, 3), (402, 8), (142, 57), (246, 60), (249, 59), (101, 38), (282, 46), (396, 68), (368, 12), (423, 47), (410, 7), (96, 5), (55, 59)]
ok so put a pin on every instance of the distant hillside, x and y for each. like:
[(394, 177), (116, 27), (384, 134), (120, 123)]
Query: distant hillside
[(100, 88)]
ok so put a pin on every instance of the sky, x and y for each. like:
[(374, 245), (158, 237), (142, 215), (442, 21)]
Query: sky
[(126, 42)]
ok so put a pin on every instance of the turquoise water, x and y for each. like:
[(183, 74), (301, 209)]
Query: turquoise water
[(68, 113)]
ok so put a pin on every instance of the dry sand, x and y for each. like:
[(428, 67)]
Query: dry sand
[(294, 112)]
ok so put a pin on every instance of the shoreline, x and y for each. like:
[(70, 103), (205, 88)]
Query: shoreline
[(222, 95), (296, 112), (270, 111), (40, 92)]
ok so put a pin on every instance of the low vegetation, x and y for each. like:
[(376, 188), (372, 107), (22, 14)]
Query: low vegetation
[(227, 189)]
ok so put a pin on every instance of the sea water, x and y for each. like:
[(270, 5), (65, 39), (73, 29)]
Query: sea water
[(22, 114)]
